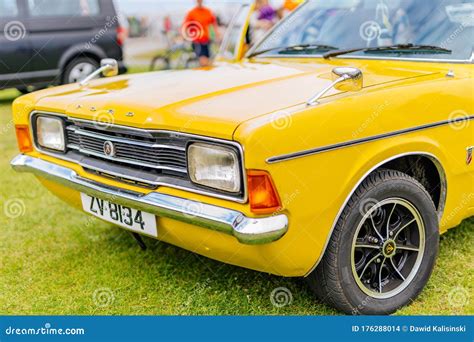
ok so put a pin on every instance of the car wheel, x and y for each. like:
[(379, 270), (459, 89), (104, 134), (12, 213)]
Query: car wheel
[(23, 90), (78, 69), (383, 248), (160, 63)]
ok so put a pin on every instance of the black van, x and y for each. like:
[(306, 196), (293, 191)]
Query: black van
[(45, 42)]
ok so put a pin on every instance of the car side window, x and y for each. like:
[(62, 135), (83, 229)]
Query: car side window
[(56, 8), (8, 8), (230, 45)]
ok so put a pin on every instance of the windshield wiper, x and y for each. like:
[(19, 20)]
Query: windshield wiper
[(301, 48), (398, 48)]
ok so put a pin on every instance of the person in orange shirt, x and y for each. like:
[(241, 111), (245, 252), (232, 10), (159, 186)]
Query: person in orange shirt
[(196, 28)]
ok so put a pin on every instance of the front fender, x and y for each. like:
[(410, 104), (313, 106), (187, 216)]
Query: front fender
[(315, 187)]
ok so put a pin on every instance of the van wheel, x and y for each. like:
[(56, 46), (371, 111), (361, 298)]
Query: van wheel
[(23, 90), (78, 69), (383, 248)]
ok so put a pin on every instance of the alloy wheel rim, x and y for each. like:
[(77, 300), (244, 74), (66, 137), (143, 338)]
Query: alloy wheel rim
[(388, 248)]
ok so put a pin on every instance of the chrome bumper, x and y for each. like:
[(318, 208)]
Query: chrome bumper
[(247, 230)]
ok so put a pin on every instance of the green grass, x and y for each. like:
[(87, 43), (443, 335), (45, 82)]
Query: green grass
[(53, 261)]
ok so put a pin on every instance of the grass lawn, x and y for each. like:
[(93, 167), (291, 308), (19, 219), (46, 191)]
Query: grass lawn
[(53, 263)]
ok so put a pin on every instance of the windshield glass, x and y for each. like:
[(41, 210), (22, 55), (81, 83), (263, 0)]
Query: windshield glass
[(351, 24)]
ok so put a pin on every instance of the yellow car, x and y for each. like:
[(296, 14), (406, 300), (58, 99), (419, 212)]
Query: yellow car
[(337, 148)]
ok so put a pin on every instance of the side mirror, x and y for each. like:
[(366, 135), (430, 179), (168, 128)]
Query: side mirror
[(109, 67), (343, 79), (349, 79)]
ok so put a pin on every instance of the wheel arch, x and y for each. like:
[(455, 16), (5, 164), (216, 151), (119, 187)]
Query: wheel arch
[(426, 169), (81, 50), (426, 163)]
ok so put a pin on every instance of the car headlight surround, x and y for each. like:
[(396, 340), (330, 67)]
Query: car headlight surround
[(49, 133), (215, 166)]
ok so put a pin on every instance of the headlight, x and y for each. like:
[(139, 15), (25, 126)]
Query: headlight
[(50, 133), (214, 166)]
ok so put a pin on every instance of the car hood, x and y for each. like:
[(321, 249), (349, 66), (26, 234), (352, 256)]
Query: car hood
[(211, 101)]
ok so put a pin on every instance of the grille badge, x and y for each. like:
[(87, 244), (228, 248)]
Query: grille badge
[(109, 149)]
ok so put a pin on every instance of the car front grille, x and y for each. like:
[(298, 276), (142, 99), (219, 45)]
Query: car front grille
[(149, 154)]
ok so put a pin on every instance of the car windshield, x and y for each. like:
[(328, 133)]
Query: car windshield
[(434, 29)]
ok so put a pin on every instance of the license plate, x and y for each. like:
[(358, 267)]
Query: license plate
[(132, 219)]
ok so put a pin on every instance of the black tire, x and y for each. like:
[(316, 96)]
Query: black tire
[(91, 64), (23, 90), (160, 63), (334, 281)]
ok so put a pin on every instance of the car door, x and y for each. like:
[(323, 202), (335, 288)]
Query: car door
[(15, 49), (236, 39)]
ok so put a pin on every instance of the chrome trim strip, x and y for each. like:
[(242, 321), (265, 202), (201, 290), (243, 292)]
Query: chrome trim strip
[(202, 138), (350, 143), (245, 229), (121, 140), (156, 184), (132, 178), (128, 161), (425, 60), (29, 74), (442, 200)]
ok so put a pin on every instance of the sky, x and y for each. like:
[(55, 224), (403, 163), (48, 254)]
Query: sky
[(140, 7)]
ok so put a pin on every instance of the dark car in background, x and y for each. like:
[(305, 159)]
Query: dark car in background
[(44, 42)]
